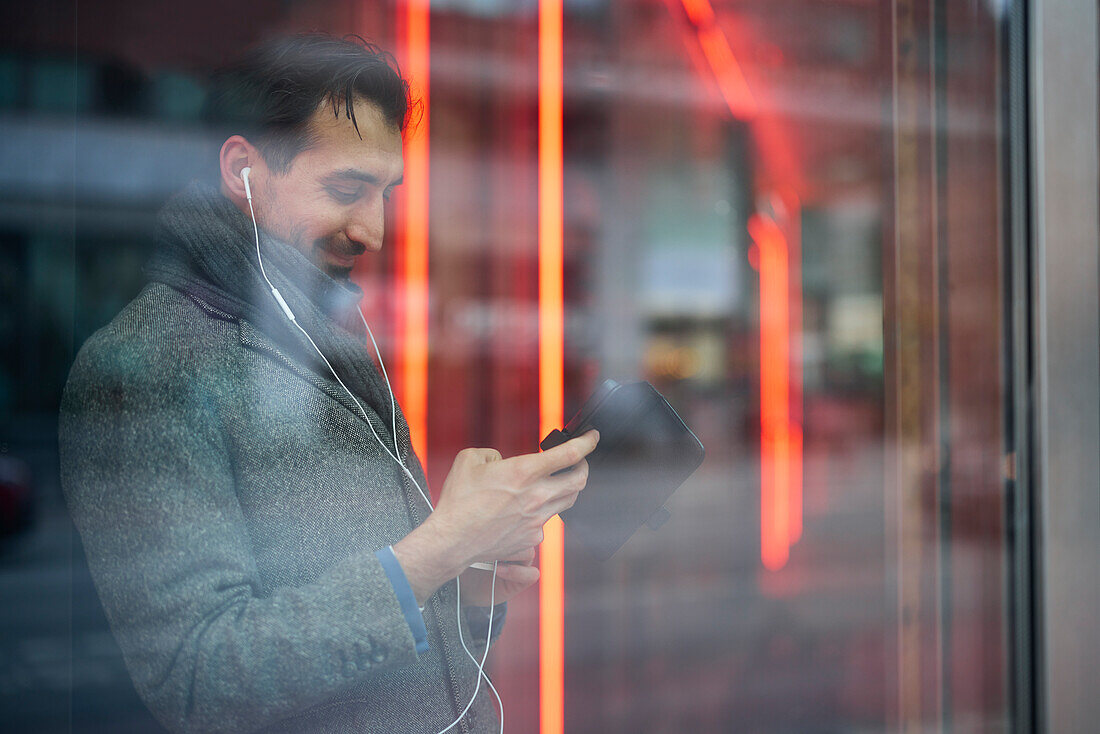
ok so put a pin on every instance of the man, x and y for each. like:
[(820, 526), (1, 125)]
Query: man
[(255, 527)]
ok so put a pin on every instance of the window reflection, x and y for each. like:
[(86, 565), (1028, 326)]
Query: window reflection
[(786, 216)]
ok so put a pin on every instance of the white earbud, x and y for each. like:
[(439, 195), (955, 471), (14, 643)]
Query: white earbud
[(245, 173)]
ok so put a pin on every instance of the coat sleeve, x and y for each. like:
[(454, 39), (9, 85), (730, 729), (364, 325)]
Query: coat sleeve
[(149, 485)]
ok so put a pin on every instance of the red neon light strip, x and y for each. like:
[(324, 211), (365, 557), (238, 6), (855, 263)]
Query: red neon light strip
[(794, 253), (727, 72), (414, 326), (775, 428), (780, 305), (551, 355), (700, 12), (795, 492)]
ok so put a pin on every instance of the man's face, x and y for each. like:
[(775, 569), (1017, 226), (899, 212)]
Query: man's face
[(330, 203)]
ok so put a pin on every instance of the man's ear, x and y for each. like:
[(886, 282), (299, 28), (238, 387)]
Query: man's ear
[(236, 154)]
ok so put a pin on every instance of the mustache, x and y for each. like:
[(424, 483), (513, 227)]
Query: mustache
[(340, 246)]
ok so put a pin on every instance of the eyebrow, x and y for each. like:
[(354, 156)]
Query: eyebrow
[(358, 175)]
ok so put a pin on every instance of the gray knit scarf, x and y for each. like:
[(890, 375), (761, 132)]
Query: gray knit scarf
[(206, 249)]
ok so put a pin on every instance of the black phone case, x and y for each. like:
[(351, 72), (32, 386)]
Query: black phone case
[(646, 452)]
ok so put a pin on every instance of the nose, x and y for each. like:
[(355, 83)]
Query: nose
[(367, 224)]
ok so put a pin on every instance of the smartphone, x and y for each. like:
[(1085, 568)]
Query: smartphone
[(645, 453)]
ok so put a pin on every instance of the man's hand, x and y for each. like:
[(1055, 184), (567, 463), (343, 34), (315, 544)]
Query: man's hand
[(512, 578), (493, 509)]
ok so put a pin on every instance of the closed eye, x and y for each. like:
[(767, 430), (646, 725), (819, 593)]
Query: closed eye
[(344, 195)]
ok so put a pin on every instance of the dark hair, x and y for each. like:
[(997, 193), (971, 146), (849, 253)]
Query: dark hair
[(270, 93)]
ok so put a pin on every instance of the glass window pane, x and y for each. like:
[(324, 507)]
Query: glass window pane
[(789, 218)]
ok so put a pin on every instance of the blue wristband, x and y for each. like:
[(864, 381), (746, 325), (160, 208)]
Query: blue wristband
[(405, 597)]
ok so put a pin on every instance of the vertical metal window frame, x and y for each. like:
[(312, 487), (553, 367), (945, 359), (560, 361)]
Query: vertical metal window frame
[(1065, 361), (1021, 505)]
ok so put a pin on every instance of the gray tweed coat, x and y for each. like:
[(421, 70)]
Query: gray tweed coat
[(230, 502)]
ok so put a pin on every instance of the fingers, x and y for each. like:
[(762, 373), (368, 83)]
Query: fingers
[(481, 589), (522, 575), (567, 481), (524, 557), (559, 491), (564, 488), (500, 506), (562, 504), (563, 455)]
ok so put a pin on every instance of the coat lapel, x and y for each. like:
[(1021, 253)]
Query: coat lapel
[(255, 339)]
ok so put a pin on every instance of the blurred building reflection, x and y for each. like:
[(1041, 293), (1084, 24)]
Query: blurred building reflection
[(789, 217)]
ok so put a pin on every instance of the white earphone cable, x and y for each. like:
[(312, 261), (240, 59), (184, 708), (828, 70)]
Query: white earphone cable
[(385, 376), (395, 455)]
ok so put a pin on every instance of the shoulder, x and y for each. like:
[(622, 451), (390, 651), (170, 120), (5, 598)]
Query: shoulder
[(161, 317), (160, 339)]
